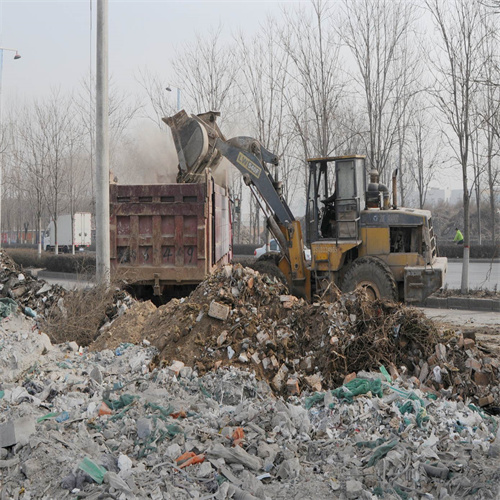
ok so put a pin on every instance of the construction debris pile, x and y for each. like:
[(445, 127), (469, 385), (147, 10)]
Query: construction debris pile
[(84, 424), (35, 297), (240, 317), (60, 313), (241, 391)]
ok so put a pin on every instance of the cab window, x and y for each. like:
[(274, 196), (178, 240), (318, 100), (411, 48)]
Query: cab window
[(406, 239)]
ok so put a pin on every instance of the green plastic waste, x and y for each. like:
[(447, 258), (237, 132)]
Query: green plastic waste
[(96, 472), (370, 444), (407, 408), (385, 373), (2, 394), (165, 412), (401, 493), (123, 401), (490, 419), (7, 306), (358, 386), (406, 394), (317, 397), (47, 417), (174, 429), (381, 452), (204, 391)]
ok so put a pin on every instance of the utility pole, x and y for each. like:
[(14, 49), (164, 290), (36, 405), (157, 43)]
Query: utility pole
[(102, 147)]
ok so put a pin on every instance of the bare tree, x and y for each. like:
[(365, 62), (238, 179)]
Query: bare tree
[(489, 110), (206, 72), (316, 85), (264, 72), (379, 36), (77, 177), (31, 157), (423, 151), (158, 96), (54, 120), (456, 68)]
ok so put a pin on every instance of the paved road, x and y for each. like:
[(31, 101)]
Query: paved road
[(69, 284), (462, 318), (483, 275)]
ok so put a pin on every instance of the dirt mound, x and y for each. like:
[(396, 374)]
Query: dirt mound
[(130, 322), (240, 317)]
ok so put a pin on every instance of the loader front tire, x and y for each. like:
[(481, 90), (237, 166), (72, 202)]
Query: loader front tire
[(374, 276)]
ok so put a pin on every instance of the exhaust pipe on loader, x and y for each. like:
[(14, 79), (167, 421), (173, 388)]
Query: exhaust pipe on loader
[(395, 189)]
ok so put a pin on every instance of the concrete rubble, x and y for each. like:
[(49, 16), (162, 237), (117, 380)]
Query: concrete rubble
[(143, 420), (297, 346), (32, 295), (80, 424)]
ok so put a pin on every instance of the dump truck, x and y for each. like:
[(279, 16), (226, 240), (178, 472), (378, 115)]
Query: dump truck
[(166, 238), (358, 238)]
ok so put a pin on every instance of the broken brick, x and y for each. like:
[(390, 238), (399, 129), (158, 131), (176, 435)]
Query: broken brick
[(349, 377), (481, 378), (218, 310), (292, 387), (486, 400)]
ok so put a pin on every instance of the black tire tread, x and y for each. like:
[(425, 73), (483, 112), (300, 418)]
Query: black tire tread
[(371, 268)]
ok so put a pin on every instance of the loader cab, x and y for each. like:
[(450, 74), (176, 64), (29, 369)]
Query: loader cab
[(335, 197)]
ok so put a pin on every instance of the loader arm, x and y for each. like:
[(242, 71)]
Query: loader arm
[(200, 144), (250, 158)]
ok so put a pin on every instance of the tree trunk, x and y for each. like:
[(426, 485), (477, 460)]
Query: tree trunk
[(56, 243), (465, 264), (39, 226)]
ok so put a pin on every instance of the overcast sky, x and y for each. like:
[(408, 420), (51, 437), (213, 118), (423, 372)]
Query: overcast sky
[(54, 38)]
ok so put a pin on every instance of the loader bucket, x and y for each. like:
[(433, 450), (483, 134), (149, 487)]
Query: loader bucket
[(194, 138)]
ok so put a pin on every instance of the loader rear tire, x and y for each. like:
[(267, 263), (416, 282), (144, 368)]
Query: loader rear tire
[(374, 276)]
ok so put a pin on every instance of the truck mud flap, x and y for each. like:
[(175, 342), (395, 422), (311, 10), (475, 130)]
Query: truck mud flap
[(420, 281)]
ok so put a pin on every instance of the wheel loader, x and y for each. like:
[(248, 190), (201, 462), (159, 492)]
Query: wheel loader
[(358, 238)]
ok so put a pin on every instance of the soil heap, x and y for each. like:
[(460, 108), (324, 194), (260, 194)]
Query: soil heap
[(239, 317)]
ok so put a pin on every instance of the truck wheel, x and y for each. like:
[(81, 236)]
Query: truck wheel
[(374, 276)]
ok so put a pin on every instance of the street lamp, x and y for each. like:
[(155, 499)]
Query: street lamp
[(169, 89), (17, 56)]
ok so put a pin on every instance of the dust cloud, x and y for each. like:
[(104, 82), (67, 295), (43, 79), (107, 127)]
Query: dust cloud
[(148, 158)]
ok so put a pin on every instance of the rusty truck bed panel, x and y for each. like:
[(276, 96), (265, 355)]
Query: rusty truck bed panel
[(166, 232)]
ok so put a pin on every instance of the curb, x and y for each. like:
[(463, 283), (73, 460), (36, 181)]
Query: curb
[(463, 303)]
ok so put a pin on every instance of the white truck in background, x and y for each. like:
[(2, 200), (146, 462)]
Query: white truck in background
[(77, 233)]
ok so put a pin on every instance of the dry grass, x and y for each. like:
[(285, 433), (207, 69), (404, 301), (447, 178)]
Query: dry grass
[(80, 314)]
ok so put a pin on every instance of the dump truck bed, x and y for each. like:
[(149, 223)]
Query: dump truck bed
[(169, 234)]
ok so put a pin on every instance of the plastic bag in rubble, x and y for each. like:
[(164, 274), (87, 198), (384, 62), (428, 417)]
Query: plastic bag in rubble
[(358, 386), (29, 312), (381, 452), (95, 471), (317, 397), (118, 404), (7, 306)]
